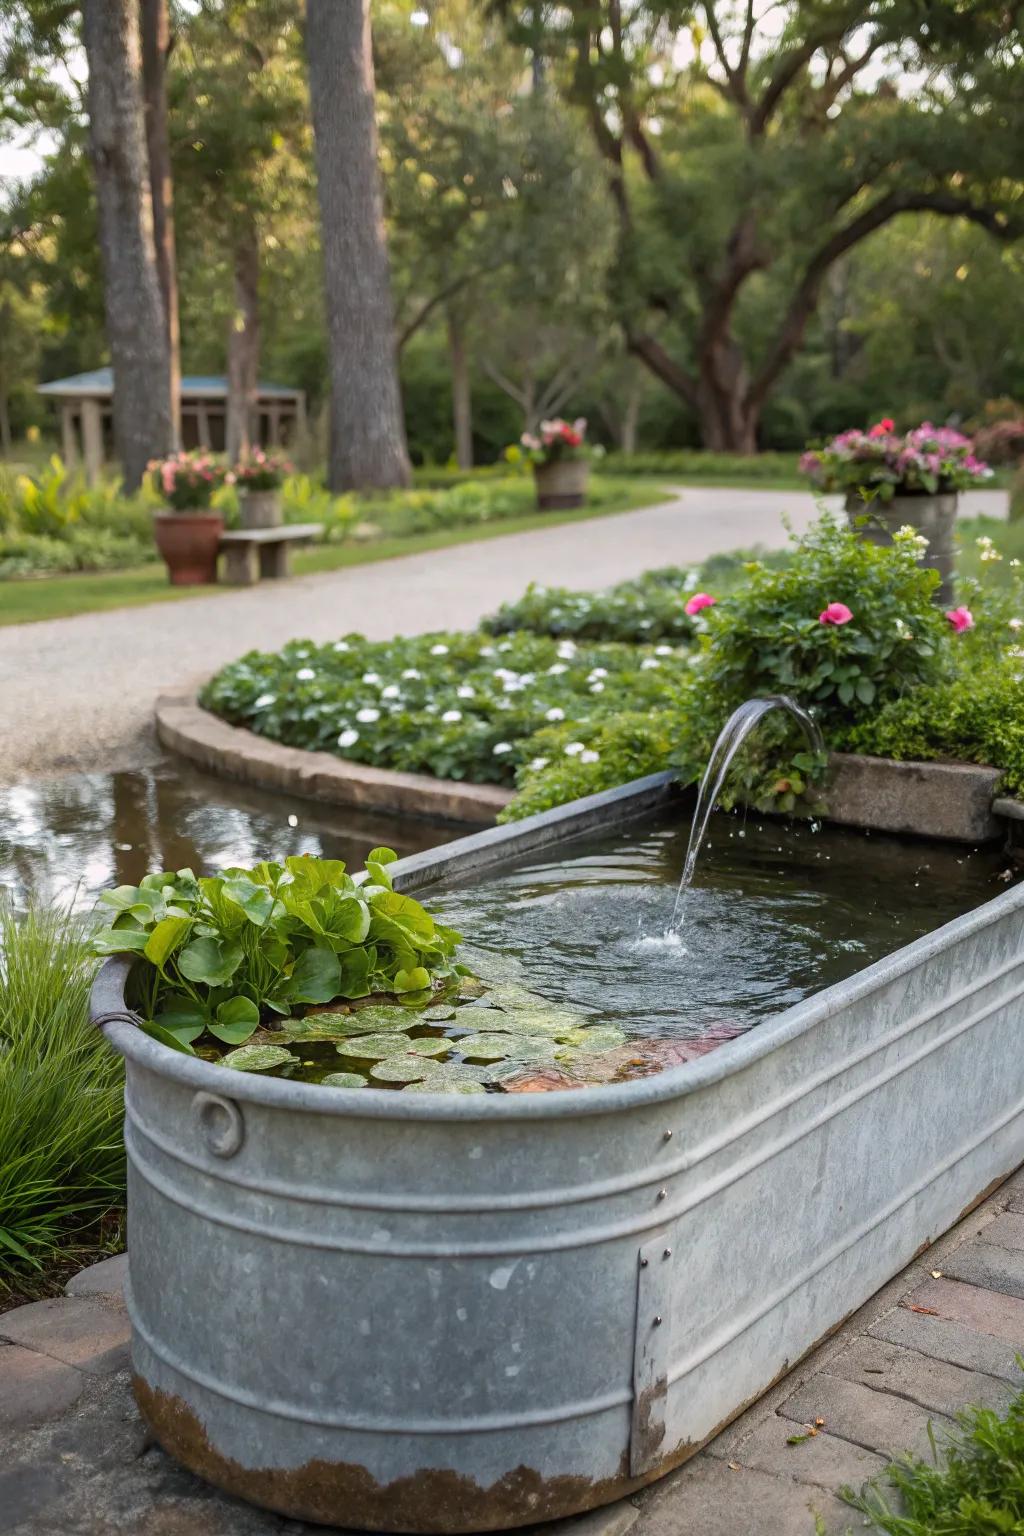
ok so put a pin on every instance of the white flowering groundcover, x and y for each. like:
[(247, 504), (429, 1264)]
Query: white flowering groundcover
[(455, 705)]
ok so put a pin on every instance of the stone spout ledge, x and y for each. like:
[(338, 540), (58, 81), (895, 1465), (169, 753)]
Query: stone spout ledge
[(234, 753)]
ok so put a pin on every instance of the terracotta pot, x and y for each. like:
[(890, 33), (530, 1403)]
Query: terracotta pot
[(260, 509), (188, 542), (562, 484), (934, 516)]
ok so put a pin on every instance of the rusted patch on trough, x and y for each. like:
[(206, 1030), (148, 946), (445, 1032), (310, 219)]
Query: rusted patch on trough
[(346, 1494)]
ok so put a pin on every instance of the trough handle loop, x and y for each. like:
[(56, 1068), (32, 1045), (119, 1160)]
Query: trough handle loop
[(117, 1016)]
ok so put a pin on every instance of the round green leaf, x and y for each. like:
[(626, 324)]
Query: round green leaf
[(429, 1047), (597, 1037), (375, 1018), (257, 1058), (439, 1014), (434, 1085), (372, 1047), (402, 1069), (344, 1080)]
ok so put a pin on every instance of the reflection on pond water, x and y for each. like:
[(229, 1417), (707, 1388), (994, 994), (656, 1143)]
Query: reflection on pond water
[(65, 839)]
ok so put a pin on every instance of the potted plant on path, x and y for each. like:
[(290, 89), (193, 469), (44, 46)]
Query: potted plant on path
[(892, 480), (258, 476), (561, 463), (188, 533)]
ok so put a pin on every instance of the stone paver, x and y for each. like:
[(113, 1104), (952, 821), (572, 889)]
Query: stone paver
[(78, 705), (76, 1459), (990, 1267), (103, 1279), (954, 1342), (34, 1387), (90, 1332)]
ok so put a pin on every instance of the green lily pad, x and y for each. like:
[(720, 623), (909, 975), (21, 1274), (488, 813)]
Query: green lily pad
[(344, 1080), (374, 1019), (439, 1014), (433, 1085), (318, 1027), (596, 1037), (499, 1047), (549, 1024), (402, 1069), (257, 1058), (429, 1046), (471, 987), (373, 1047), (457, 1072)]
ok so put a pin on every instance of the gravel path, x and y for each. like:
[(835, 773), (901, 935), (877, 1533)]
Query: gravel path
[(78, 693)]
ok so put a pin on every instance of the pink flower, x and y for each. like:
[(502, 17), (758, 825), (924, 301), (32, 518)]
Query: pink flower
[(698, 601), (961, 619), (835, 613)]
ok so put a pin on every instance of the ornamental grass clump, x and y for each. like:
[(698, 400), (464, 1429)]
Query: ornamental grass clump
[(886, 463), (61, 1153)]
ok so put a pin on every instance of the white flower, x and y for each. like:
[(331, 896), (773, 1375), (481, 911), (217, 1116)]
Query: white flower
[(589, 757), (450, 716), (263, 700), (348, 737), (487, 650), (506, 645), (692, 578), (501, 747), (592, 677), (410, 673), (555, 714), (575, 748), (371, 677), (503, 673), (466, 691), (1015, 623), (392, 691), (1016, 651), (340, 645), (526, 678), (566, 649), (649, 664), (439, 650), (597, 687), (557, 670), (513, 685), (663, 650), (536, 764), (367, 716), (305, 675), (1013, 563)]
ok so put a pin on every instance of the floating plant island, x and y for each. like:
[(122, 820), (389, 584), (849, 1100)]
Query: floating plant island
[(379, 1280)]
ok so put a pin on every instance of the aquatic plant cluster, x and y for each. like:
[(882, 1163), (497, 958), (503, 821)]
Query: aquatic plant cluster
[(457, 705)]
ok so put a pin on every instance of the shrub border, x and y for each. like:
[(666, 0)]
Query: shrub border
[(950, 801)]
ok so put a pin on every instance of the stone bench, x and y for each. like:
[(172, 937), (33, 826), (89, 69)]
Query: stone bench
[(254, 553)]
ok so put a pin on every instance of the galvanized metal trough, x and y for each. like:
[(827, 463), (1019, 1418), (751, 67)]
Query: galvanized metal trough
[(406, 1313)]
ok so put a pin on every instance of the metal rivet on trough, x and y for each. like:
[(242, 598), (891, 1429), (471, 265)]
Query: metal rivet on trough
[(657, 1322), (668, 1135), (643, 1263), (667, 1254), (662, 1193)]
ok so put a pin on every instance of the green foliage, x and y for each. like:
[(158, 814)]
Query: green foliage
[(769, 636), (699, 467), (61, 1154), (459, 706), (650, 607), (215, 955), (52, 522), (976, 1488), (626, 746)]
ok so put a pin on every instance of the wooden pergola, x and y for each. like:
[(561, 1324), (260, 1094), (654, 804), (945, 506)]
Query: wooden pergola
[(85, 404)]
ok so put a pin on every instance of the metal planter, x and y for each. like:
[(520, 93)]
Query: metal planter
[(399, 1313)]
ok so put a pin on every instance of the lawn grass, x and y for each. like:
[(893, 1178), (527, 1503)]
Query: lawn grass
[(60, 597)]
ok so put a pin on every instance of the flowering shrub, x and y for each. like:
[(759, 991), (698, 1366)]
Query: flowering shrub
[(186, 481), (650, 607), (558, 440), (846, 626), (460, 706), (260, 471), (887, 463)]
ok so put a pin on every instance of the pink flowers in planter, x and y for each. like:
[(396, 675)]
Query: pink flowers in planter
[(884, 462), (698, 601), (961, 618), (835, 613)]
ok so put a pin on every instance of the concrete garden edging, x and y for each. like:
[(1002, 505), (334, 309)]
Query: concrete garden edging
[(953, 801), (210, 743)]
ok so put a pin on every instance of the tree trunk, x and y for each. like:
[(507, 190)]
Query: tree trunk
[(156, 47), (131, 287), (727, 422), (5, 421), (462, 399), (242, 427), (368, 446)]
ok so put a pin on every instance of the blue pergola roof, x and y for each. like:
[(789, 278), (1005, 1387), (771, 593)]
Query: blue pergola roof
[(98, 383)]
